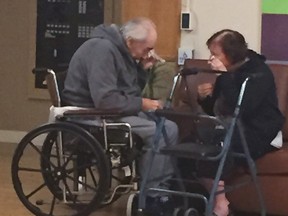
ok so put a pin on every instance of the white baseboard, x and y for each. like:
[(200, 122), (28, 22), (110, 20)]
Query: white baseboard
[(8, 136)]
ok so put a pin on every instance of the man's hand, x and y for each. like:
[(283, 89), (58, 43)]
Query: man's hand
[(148, 62), (151, 58), (204, 90), (148, 104)]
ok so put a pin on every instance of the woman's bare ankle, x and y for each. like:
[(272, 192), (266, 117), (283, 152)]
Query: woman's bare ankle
[(221, 208)]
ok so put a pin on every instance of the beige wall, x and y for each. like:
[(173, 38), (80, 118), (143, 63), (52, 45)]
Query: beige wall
[(211, 16), (17, 111)]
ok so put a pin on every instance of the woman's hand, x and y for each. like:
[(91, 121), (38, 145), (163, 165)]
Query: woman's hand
[(205, 90), (216, 64)]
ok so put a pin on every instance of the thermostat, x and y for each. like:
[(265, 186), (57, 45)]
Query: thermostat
[(186, 22)]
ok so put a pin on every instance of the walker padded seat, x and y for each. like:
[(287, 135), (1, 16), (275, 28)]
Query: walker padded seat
[(192, 150)]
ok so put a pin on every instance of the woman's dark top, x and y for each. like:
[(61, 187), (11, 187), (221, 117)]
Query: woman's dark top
[(259, 112)]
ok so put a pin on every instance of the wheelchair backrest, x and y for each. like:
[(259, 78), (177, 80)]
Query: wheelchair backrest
[(55, 84)]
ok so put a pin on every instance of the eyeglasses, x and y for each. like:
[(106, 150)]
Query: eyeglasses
[(154, 55)]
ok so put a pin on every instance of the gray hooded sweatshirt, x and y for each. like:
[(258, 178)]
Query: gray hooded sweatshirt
[(103, 74)]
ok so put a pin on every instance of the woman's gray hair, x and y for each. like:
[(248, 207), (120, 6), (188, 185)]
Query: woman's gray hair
[(137, 28)]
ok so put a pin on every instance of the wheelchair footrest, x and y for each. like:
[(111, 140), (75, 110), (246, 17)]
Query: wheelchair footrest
[(191, 150)]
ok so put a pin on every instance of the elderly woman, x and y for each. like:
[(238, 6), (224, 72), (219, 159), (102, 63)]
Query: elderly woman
[(260, 115)]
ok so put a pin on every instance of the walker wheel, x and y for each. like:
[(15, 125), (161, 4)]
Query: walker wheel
[(178, 212), (131, 209), (191, 212)]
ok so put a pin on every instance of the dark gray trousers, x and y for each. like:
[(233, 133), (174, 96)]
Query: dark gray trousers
[(145, 127)]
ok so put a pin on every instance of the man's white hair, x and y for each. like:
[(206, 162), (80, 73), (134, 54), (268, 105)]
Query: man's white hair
[(137, 28)]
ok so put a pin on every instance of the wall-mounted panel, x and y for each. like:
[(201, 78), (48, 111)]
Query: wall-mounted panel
[(62, 26)]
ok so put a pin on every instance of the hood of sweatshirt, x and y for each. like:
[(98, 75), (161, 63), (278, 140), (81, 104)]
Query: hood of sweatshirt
[(255, 56), (112, 33)]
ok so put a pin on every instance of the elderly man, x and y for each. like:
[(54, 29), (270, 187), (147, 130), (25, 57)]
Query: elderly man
[(108, 72)]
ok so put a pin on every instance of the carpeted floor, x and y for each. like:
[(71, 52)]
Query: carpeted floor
[(10, 204)]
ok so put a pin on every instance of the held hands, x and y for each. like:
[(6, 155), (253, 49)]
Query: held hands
[(148, 104), (205, 90)]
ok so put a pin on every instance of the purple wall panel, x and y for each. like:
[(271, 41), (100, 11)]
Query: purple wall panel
[(274, 44)]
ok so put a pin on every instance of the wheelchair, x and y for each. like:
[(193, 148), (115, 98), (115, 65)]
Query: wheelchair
[(68, 167)]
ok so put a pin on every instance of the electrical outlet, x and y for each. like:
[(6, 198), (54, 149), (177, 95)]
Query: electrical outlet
[(184, 53)]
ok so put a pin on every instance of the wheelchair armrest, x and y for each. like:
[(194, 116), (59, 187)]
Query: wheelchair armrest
[(93, 112)]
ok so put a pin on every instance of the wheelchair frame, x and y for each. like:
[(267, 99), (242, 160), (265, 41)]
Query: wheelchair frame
[(56, 174)]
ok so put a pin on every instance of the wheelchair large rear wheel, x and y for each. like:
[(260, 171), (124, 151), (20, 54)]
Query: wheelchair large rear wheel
[(60, 169), (120, 175)]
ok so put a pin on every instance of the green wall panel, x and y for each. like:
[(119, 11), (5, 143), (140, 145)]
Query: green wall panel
[(275, 6)]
